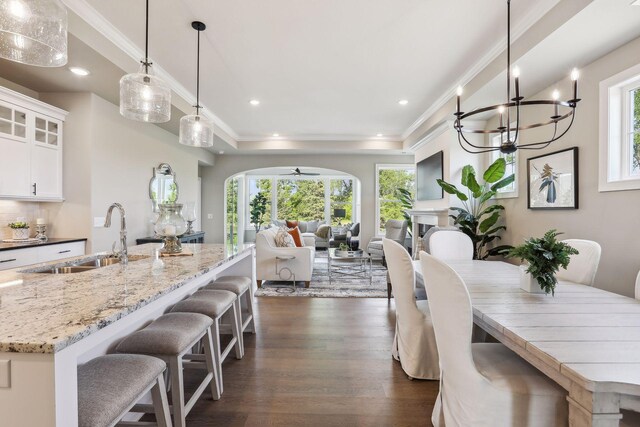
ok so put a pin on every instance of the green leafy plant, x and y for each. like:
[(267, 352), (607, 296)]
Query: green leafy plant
[(544, 257), (344, 247), (18, 225), (406, 200), (257, 210), (477, 219)]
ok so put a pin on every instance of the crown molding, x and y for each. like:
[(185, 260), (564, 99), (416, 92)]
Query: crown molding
[(540, 9), (91, 16), (441, 128), (319, 137)]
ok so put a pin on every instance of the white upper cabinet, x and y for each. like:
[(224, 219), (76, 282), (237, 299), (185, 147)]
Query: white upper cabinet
[(30, 147)]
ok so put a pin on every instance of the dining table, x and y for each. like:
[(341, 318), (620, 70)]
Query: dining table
[(584, 338)]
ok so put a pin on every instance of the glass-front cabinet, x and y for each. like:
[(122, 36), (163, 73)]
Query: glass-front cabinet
[(30, 147)]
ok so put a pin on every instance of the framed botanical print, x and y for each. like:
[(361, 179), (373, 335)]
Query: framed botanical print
[(552, 180)]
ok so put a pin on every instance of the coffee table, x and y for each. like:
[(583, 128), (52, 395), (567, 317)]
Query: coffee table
[(350, 264)]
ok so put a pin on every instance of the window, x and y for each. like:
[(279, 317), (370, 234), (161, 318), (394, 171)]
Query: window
[(620, 131), (389, 178), (341, 197), (510, 190), (231, 212), (301, 199)]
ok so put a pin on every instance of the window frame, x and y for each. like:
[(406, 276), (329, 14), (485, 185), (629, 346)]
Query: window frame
[(614, 152), (274, 195), (493, 156), (379, 167)]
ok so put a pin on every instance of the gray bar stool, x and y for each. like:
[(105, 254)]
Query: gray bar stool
[(215, 304), (110, 386), (170, 337), (241, 286)]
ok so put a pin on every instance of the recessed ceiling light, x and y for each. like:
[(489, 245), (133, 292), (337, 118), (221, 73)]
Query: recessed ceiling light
[(254, 102), (378, 135), (276, 135), (403, 102), (79, 71), (221, 152)]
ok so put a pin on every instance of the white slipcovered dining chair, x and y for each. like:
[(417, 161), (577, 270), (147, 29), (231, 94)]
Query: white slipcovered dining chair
[(482, 385), (583, 267), (414, 344), (451, 245)]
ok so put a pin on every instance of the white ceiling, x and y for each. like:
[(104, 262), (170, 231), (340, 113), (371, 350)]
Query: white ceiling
[(323, 70)]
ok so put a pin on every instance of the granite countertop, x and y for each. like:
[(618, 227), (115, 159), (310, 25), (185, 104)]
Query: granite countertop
[(9, 246), (44, 313)]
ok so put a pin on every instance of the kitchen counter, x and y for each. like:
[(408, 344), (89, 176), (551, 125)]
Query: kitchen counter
[(44, 313), (51, 323), (10, 246)]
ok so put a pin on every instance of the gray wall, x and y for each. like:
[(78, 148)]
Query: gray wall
[(362, 167), (610, 218), (107, 159)]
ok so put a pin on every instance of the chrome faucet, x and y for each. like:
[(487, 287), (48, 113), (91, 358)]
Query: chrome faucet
[(124, 258)]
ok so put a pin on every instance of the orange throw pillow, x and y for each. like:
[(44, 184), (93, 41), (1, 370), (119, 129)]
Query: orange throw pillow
[(292, 224), (297, 237)]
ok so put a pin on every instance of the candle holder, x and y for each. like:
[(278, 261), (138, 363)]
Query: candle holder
[(189, 213), (170, 225), (41, 229)]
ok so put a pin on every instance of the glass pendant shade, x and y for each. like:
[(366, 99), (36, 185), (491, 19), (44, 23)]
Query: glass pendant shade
[(34, 32), (145, 97), (196, 131)]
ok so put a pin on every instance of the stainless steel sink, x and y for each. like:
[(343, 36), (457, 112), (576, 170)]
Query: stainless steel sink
[(91, 264), (67, 270), (100, 262)]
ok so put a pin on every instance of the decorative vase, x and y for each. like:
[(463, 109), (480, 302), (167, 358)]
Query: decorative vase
[(528, 283), (170, 225), (20, 233)]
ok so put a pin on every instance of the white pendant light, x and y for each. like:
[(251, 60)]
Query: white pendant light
[(143, 96), (196, 130), (34, 32)]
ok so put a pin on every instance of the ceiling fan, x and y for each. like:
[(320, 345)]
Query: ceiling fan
[(298, 172)]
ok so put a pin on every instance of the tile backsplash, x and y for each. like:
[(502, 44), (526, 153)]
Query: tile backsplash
[(10, 210)]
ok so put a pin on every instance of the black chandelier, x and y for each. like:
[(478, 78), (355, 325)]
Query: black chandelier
[(509, 132)]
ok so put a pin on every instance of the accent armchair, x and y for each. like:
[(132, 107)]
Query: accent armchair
[(395, 230), (267, 251)]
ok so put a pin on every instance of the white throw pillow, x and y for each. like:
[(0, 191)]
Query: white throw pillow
[(283, 239)]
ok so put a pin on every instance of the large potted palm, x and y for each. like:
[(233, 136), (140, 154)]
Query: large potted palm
[(478, 218)]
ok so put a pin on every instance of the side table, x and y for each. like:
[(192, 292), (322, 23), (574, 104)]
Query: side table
[(290, 274)]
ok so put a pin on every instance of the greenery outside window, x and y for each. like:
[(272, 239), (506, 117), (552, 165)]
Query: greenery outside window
[(260, 185), (300, 199), (389, 178), (341, 198)]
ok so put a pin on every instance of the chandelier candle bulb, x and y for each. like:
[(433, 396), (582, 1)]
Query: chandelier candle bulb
[(575, 74), (501, 111), (516, 75), (458, 94)]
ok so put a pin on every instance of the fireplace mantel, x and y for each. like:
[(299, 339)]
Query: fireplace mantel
[(437, 217)]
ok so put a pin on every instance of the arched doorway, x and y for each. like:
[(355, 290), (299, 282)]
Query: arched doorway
[(327, 195)]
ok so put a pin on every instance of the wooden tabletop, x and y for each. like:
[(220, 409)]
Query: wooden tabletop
[(582, 335)]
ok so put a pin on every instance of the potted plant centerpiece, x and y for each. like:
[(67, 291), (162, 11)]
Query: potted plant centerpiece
[(544, 257), (20, 230)]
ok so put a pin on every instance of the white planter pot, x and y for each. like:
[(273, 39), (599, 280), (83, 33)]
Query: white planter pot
[(20, 233), (528, 283)]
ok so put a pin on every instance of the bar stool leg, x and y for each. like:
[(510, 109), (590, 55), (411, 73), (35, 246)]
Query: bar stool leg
[(160, 403), (215, 332), (237, 332), (209, 360), (249, 300), (237, 305), (177, 391)]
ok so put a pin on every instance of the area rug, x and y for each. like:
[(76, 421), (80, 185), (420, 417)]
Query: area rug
[(340, 287)]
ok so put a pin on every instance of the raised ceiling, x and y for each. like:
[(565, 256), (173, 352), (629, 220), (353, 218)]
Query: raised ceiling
[(322, 70)]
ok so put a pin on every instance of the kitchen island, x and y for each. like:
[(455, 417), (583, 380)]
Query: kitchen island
[(49, 323)]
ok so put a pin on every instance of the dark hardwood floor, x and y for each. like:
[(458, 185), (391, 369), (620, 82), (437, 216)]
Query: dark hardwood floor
[(318, 362)]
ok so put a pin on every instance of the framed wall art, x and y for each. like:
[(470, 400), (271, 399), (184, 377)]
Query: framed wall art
[(552, 180)]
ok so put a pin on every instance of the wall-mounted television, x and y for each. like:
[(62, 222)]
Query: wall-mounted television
[(427, 172)]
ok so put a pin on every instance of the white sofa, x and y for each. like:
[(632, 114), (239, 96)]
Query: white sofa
[(267, 251)]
